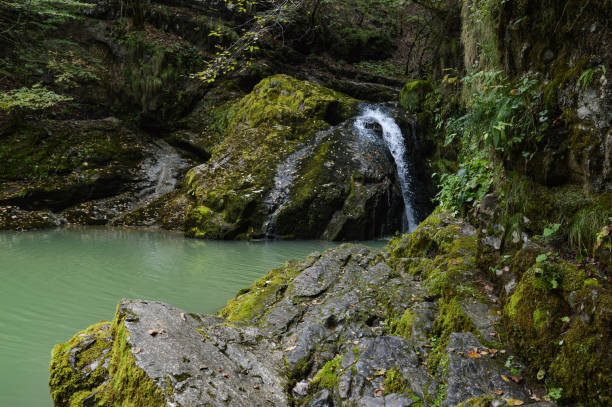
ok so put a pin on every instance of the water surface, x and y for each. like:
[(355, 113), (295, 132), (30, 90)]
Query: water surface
[(57, 282)]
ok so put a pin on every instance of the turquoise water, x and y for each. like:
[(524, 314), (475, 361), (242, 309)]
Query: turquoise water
[(55, 283)]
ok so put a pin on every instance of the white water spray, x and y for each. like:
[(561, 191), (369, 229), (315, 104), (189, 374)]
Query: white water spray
[(394, 139)]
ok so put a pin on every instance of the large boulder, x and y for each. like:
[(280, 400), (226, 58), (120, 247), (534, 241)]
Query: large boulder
[(291, 165)]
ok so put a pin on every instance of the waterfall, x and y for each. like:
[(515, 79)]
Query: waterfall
[(394, 139)]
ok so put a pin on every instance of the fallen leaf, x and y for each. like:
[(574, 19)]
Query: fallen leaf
[(515, 402), (498, 392), (484, 352), (137, 350), (219, 369), (153, 332), (505, 378), (473, 354), (183, 316), (226, 375), (460, 353), (456, 261), (381, 372), (256, 387), (516, 379), (378, 392), (290, 348)]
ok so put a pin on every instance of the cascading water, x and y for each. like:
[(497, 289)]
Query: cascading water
[(394, 139)]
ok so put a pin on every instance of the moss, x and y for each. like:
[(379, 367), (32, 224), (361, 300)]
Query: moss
[(412, 96), (582, 365), (122, 383), (327, 377), (429, 239), (540, 319), (299, 370), (65, 161), (450, 319), (395, 382), (69, 384), (562, 74), (403, 326), (259, 296), (578, 212), (574, 355), (129, 384)]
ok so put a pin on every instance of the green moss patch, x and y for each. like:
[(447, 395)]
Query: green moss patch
[(563, 329), (121, 383), (327, 377), (253, 301)]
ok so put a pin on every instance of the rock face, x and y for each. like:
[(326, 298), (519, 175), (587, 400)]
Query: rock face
[(419, 323), (84, 172), (292, 165)]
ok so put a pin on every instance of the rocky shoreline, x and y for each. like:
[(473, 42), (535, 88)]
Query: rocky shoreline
[(423, 322)]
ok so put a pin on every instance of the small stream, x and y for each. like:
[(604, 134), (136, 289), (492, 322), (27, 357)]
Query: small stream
[(58, 282)]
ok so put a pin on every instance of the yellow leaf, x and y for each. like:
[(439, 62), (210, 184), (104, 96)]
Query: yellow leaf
[(515, 402)]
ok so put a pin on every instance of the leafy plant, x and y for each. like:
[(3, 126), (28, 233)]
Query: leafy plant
[(546, 271), (587, 77), (30, 99), (551, 230), (467, 186), (554, 393), (502, 114)]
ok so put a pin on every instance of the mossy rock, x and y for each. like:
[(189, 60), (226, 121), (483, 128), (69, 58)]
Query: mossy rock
[(252, 302), (97, 367), (56, 164), (413, 94), (562, 328), (262, 129)]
